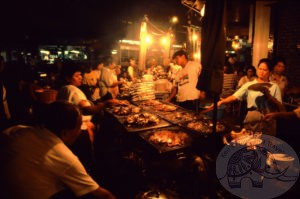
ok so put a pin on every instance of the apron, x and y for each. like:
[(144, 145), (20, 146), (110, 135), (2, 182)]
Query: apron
[(254, 122)]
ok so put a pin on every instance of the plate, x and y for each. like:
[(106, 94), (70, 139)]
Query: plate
[(259, 86)]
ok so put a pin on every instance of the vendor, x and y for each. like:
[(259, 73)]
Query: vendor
[(184, 87), (261, 99)]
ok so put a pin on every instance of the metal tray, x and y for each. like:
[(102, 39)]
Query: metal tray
[(179, 116), (162, 147), (137, 128), (205, 127)]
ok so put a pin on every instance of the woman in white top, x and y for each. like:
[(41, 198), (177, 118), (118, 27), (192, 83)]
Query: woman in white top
[(71, 93), (250, 76)]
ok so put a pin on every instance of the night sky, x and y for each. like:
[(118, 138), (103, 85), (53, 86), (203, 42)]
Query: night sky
[(51, 20)]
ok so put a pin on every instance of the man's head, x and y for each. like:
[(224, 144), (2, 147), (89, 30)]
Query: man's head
[(180, 57), (62, 118), (132, 61), (72, 73)]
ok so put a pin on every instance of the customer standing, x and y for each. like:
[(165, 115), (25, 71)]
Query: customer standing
[(186, 79), (262, 97), (250, 76), (107, 78), (277, 75), (133, 70), (36, 163)]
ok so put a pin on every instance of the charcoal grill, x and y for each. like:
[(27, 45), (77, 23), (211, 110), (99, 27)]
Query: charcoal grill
[(162, 147)]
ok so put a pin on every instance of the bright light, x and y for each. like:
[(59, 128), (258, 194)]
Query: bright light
[(45, 52), (202, 12), (236, 45), (196, 55), (165, 41), (195, 37), (114, 52), (133, 42), (144, 28), (174, 19), (75, 51), (148, 39)]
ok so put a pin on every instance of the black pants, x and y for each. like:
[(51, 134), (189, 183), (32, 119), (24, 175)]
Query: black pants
[(190, 105)]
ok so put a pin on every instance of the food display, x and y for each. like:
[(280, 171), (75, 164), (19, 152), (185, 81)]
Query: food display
[(125, 110), (164, 107), (198, 126), (151, 103), (203, 126), (169, 138), (156, 105), (123, 103), (180, 116), (142, 119), (143, 91)]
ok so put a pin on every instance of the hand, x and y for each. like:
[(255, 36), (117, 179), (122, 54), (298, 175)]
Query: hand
[(265, 91), (270, 116), (112, 102), (219, 103)]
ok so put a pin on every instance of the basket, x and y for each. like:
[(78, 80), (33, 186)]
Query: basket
[(46, 95)]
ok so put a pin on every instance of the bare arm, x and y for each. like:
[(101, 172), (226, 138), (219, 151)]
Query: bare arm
[(173, 93), (273, 100), (280, 115), (94, 109), (227, 100)]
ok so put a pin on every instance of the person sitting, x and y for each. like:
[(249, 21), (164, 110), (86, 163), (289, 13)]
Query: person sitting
[(37, 163), (70, 92)]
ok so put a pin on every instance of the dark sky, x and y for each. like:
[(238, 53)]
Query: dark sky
[(48, 20)]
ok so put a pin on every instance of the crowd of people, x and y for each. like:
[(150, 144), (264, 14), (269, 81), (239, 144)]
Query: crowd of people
[(54, 143)]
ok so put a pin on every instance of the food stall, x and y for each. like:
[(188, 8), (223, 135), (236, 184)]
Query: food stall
[(167, 145)]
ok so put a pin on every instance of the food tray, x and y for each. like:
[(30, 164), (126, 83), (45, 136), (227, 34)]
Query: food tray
[(136, 128), (167, 136), (202, 127), (179, 116)]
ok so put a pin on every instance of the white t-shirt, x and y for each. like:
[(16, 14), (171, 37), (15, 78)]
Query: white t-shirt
[(106, 80), (38, 165), (251, 96), (187, 79), (74, 95)]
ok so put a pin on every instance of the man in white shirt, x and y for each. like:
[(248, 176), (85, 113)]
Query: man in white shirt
[(186, 80), (36, 163)]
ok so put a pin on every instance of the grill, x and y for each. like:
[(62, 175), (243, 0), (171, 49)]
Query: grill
[(164, 140)]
